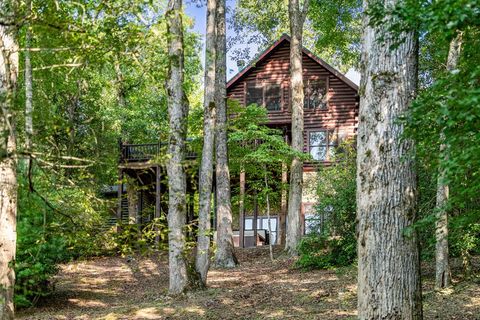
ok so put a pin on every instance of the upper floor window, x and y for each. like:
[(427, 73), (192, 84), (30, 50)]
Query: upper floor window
[(322, 144), (315, 94), (265, 94)]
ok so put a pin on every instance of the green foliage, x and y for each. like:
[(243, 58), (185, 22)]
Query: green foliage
[(133, 238), (332, 29), (40, 247), (332, 242), (319, 252), (99, 70), (259, 151)]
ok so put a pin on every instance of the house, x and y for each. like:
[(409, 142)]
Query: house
[(330, 108), (330, 115)]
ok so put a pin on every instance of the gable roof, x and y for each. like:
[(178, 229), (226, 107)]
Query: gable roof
[(305, 51)]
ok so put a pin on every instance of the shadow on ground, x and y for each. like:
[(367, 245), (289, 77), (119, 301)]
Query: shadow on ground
[(119, 288)]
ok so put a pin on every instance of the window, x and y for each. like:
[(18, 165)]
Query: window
[(273, 98), (315, 94), (315, 221), (322, 144), (254, 93), (265, 94)]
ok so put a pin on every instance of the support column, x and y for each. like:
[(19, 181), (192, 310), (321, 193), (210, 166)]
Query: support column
[(132, 198), (241, 220), (157, 203), (119, 193), (255, 218)]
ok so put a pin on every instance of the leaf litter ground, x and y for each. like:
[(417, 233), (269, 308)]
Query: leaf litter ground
[(136, 288)]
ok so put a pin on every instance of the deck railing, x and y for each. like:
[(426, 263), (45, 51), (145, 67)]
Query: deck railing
[(147, 151)]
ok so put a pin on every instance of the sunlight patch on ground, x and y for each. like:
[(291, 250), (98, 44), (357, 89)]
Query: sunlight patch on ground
[(168, 310), (147, 313), (87, 303), (474, 302), (276, 314), (195, 309)]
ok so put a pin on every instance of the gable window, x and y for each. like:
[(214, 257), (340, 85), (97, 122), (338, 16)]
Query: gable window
[(315, 95), (322, 144), (266, 94)]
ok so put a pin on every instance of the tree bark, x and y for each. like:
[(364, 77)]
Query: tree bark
[(282, 221), (177, 112), (388, 259), (297, 17), (8, 176), (225, 255), (28, 87), (443, 273), (206, 166)]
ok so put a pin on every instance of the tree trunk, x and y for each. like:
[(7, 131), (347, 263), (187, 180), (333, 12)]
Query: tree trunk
[(297, 18), (225, 255), (443, 274), (8, 177), (206, 166), (388, 259), (28, 87), (282, 221), (177, 112)]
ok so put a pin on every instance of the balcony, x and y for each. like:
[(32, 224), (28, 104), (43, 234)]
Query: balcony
[(145, 152)]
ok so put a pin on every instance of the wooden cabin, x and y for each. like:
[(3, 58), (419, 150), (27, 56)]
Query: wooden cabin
[(331, 114), (330, 106)]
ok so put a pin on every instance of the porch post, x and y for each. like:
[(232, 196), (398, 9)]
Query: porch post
[(255, 218), (119, 193), (241, 236)]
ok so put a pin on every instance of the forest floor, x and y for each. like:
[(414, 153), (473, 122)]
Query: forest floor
[(120, 288)]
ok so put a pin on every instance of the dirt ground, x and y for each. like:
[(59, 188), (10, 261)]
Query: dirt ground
[(123, 288)]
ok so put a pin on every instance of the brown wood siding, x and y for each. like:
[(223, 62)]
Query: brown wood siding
[(341, 113)]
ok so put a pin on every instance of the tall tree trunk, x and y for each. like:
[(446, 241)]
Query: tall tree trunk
[(388, 259), (225, 255), (297, 15), (443, 274), (177, 112), (206, 166), (8, 177), (282, 219), (28, 87)]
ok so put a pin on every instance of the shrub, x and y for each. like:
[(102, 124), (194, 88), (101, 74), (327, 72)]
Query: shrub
[(40, 247), (333, 244)]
